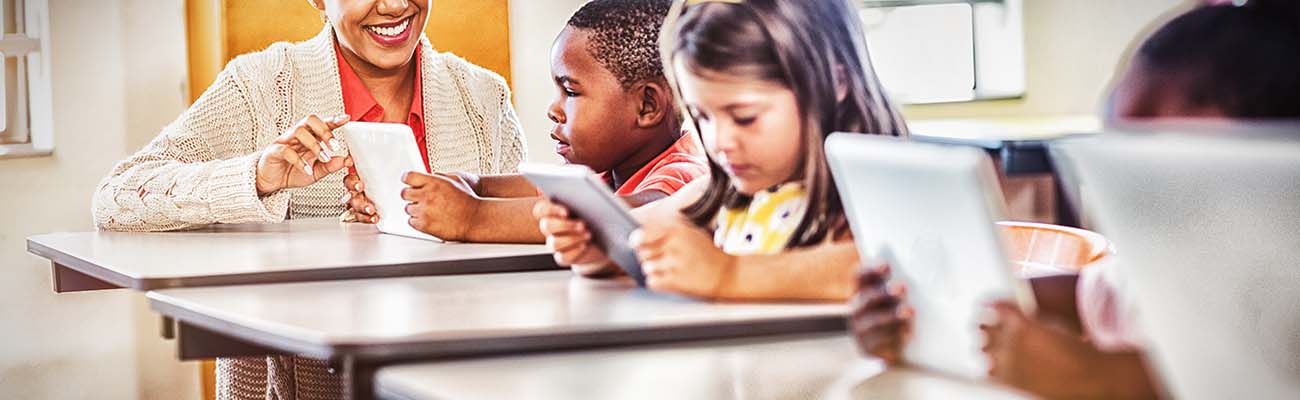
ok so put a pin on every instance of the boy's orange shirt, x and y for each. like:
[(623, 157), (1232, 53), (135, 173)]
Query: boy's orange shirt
[(670, 171)]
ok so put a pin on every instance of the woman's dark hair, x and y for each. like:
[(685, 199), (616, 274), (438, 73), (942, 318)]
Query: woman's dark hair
[(1241, 60), (816, 48)]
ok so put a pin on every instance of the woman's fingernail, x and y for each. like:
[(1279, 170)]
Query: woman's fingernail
[(306, 166), (370, 210), (634, 238), (357, 187), (325, 155)]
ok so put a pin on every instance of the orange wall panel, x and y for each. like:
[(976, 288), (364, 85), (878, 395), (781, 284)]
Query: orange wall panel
[(478, 30)]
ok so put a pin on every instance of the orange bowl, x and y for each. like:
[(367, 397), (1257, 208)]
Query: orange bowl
[(1046, 249)]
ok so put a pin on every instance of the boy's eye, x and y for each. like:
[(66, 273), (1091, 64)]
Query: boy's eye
[(570, 93)]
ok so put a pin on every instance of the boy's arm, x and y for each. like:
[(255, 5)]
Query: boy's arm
[(502, 186), (500, 220)]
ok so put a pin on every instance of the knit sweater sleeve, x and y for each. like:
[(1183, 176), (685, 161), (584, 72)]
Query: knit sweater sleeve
[(513, 145), (200, 170)]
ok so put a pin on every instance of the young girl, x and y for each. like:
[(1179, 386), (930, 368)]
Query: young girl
[(1218, 62), (764, 81)]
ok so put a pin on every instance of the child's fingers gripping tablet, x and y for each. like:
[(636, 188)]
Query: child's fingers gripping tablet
[(568, 238)]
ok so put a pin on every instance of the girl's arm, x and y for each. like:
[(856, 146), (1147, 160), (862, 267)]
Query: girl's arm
[(823, 272)]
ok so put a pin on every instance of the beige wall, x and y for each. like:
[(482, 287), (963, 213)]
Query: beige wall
[(1072, 49), (534, 25), (119, 67)]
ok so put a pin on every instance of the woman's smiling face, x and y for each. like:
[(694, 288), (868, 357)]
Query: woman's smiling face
[(380, 33)]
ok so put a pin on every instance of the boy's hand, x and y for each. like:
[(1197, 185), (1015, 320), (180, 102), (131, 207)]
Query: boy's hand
[(880, 319), (570, 241), (441, 205), (676, 256), (363, 210)]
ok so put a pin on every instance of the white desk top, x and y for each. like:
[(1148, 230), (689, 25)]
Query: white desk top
[(472, 314), (299, 250), (824, 366), (995, 132)]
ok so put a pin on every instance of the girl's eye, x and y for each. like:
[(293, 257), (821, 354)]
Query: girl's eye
[(570, 93), (745, 121)]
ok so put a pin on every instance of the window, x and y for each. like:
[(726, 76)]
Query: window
[(24, 79), (935, 51)]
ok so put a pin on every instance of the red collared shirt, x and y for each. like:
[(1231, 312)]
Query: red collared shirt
[(361, 106)]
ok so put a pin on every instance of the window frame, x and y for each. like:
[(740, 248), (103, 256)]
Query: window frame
[(33, 45)]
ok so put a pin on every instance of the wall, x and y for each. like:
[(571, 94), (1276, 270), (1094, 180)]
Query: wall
[(535, 25), (119, 67)]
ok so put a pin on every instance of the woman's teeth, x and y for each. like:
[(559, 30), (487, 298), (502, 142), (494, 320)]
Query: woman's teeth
[(391, 31)]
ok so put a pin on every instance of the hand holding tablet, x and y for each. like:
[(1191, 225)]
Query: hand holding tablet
[(383, 153), (586, 196)]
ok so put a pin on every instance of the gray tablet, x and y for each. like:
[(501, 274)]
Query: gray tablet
[(587, 197)]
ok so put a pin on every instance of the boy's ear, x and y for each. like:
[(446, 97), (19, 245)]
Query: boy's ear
[(656, 103)]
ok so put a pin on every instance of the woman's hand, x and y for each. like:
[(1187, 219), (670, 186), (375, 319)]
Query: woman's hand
[(880, 319), (679, 257), (301, 156), (355, 199), (570, 241), (442, 205)]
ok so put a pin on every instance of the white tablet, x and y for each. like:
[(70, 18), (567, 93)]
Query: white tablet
[(930, 210), (383, 153), (608, 218)]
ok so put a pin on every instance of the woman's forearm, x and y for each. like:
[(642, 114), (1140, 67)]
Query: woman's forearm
[(823, 272)]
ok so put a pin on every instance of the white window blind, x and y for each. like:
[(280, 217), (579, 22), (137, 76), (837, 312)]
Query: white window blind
[(935, 51)]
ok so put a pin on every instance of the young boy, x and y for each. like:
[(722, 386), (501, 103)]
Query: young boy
[(614, 112), (1216, 62)]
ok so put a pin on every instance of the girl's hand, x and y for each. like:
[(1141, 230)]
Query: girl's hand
[(301, 156), (441, 205), (570, 241), (355, 199), (679, 257), (881, 319)]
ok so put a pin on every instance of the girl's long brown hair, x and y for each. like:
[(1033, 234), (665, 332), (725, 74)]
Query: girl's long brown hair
[(817, 49)]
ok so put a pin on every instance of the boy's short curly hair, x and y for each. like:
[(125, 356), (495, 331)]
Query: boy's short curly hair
[(624, 36)]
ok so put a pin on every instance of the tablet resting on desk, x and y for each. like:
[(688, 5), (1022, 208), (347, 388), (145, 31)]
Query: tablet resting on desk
[(929, 210), (608, 218), (383, 153)]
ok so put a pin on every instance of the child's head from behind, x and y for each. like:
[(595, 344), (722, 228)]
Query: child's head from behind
[(612, 98), (1219, 61), (765, 81)]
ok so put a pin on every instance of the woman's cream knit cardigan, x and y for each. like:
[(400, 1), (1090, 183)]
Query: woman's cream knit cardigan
[(201, 169)]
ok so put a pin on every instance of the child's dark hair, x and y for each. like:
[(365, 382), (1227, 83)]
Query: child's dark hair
[(1243, 61), (817, 49), (625, 37)]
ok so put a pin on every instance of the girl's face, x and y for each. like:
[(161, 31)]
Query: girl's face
[(381, 34), (751, 128)]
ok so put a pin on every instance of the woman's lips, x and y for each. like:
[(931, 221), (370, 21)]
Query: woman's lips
[(391, 34)]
